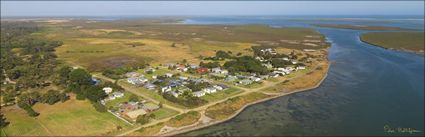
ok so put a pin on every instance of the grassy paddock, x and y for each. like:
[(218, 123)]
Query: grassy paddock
[(70, 118), (406, 41), (185, 119), (148, 131), (231, 106)]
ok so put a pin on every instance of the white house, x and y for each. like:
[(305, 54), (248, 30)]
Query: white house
[(169, 75), (137, 80), (118, 94), (132, 74), (174, 94), (285, 59), (300, 67), (166, 89), (294, 62), (107, 90), (216, 70), (198, 93), (218, 87), (209, 90), (245, 82), (256, 79)]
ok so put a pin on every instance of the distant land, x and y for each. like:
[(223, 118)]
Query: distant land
[(362, 27), (404, 41)]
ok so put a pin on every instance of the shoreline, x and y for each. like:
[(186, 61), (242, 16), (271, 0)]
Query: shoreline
[(399, 50), (198, 125)]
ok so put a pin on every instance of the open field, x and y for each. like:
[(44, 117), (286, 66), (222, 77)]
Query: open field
[(184, 119), (164, 113), (97, 45), (148, 131), (70, 118), (361, 27), (405, 41), (227, 108)]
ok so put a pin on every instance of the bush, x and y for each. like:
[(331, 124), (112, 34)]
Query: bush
[(142, 119), (99, 107)]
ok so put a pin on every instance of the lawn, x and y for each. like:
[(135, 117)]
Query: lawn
[(164, 113), (407, 41), (117, 101), (71, 118), (219, 95)]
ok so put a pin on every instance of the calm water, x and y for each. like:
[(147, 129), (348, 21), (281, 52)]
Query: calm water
[(366, 89)]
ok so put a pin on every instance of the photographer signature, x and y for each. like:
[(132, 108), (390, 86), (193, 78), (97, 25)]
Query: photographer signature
[(389, 129)]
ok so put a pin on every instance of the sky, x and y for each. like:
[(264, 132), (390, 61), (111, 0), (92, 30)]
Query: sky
[(199, 8)]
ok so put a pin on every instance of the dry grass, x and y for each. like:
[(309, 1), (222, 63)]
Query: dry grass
[(71, 118), (231, 106), (185, 119), (148, 131), (407, 41)]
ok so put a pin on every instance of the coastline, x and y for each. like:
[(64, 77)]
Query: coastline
[(400, 50), (199, 125)]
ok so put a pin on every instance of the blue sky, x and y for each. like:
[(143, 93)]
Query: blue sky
[(171, 8)]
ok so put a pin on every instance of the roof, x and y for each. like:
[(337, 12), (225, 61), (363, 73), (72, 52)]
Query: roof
[(135, 113)]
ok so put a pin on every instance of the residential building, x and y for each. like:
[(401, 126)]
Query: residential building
[(245, 82), (107, 90), (201, 70), (209, 90), (198, 93)]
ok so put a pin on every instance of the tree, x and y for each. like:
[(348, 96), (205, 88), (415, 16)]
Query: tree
[(142, 119), (64, 74), (51, 97), (94, 93), (133, 98), (3, 122), (80, 76), (99, 107), (222, 54)]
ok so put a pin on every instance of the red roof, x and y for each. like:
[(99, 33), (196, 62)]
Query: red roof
[(201, 70)]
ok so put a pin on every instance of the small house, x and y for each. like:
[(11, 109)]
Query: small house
[(150, 86), (201, 70), (169, 75), (209, 90), (166, 89), (198, 93), (95, 81), (300, 67), (216, 70), (132, 74), (107, 90), (118, 94), (218, 87), (231, 78), (245, 82)]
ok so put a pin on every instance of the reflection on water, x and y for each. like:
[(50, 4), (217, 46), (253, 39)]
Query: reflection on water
[(367, 88)]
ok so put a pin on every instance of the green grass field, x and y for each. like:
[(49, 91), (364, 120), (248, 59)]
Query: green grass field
[(221, 94), (164, 113), (406, 41), (71, 118)]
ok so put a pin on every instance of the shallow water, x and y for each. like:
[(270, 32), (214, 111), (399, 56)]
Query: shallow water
[(366, 89)]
